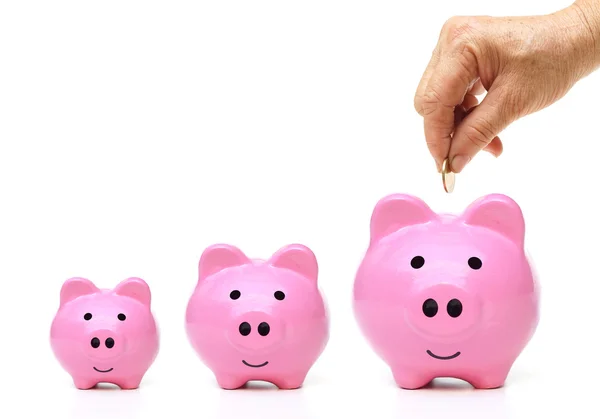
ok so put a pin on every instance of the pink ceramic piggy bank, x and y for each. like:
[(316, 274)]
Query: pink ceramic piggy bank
[(105, 336), (258, 320), (447, 296)]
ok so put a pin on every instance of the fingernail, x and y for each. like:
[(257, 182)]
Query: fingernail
[(459, 162)]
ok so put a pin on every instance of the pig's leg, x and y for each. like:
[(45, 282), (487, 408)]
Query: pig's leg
[(84, 383), (490, 379), (230, 382), (130, 383), (290, 382), (410, 379)]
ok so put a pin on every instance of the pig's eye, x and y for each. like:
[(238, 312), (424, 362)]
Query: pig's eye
[(235, 294), (87, 316), (121, 317), (417, 262), (475, 263), (279, 295)]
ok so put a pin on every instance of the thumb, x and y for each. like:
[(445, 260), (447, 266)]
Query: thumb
[(478, 129)]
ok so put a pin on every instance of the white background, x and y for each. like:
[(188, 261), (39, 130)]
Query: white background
[(135, 134)]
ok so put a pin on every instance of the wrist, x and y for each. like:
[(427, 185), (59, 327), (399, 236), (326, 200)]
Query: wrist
[(583, 26)]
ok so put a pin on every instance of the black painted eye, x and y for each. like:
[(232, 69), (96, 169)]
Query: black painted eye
[(87, 316), (475, 263), (454, 308), (235, 294), (430, 307), (417, 262), (279, 295), (121, 317)]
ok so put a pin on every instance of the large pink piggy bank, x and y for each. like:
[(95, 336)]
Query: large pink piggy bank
[(258, 320), (440, 295), (105, 336)]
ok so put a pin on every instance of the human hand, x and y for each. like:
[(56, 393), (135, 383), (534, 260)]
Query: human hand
[(523, 63)]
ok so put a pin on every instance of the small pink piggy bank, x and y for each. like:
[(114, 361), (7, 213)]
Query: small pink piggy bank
[(440, 295), (105, 336), (258, 320)]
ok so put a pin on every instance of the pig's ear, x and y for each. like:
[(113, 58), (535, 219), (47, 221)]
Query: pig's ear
[(218, 257), (498, 213), (135, 288), (397, 211), (76, 287), (298, 258)]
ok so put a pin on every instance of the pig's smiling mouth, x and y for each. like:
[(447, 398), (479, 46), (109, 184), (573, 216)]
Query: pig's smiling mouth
[(103, 371), (255, 366), (444, 358)]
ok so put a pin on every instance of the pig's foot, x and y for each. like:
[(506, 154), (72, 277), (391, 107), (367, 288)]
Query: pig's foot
[(230, 382), (489, 379), (84, 383), (410, 380), (130, 383), (290, 382)]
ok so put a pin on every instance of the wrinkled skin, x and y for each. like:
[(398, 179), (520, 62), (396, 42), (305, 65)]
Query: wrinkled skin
[(523, 64)]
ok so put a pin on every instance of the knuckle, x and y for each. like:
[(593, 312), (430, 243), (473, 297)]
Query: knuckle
[(462, 35), (486, 128), (480, 134), (467, 62), (458, 28), (451, 23), (476, 139), (417, 103), (430, 102)]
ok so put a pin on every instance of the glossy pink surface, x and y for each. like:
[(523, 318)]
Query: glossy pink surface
[(258, 320), (440, 295), (105, 336)]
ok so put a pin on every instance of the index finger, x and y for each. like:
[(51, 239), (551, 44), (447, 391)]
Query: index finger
[(446, 89)]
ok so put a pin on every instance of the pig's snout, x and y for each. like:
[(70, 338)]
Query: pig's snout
[(443, 310), (104, 344), (255, 331)]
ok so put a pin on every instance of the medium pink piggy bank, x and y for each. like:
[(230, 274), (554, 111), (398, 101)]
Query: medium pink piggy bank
[(258, 320), (440, 295), (105, 336)]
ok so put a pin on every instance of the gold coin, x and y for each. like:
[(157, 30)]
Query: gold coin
[(447, 177)]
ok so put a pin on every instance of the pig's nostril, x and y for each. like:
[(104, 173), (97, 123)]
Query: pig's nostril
[(430, 307), (110, 342), (264, 329), (454, 308), (95, 343), (245, 329)]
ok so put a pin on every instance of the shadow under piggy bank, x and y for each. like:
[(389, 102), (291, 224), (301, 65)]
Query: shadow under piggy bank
[(461, 402), (442, 295), (257, 402), (107, 401)]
